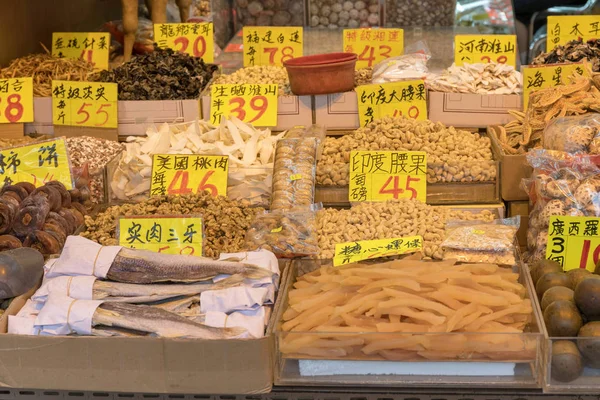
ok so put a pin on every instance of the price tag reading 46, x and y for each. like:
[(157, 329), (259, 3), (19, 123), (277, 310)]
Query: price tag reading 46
[(271, 45), (255, 104), (346, 253), (92, 47), (574, 242), (16, 100), (91, 104), (373, 45), (174, 174), (472, 49), (387, 175), (195, 39)]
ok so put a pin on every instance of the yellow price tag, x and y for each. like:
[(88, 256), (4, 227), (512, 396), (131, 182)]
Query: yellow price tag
[(537, 77), (564, 28), (162, 234), (373, 45), (396, 99), (16, 100), (195, 39), (92, 47), (574, 242), (276, 230), (255, 104), (37, 163), (350, 252), (174, 174), (386, 175), (474, 49), (271, 45), (92, 104), (295, 177)]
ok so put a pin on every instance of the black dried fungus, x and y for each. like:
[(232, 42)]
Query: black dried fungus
[(573, 51)]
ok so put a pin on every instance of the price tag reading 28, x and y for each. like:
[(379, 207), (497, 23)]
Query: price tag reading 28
[(195, 39), (574, 242), (255, 104), (387, 175), (92, 104), (16, 100), (271, 45), (473, 49), (373, 45)]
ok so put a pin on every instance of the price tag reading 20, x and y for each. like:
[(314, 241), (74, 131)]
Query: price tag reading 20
[(255, 104), (16, 100), (472, 49), (195, 39), (271, 45), (92, 104), (574, 242), (373, 45), (387, 175)]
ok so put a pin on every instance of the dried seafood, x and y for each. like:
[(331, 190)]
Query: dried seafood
[(477, 78), (574, 51)]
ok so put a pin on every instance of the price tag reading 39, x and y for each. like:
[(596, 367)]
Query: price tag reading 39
[(473, 49), (574, 242), (387, 175), (16, 100), (177, 174), (564, 28), (536, 77), (195, 39), (271, 45), (351, 252), (92, 47), (373, 45), (91, 104), (255, 104)]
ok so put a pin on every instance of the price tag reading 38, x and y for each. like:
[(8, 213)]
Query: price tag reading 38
[(386, 175), (574, 242), (473, 49), (92, 47), (255, 104), (373, 45), (92, 104), (564, 28), (271, 45), (195, 39), (16, 100)]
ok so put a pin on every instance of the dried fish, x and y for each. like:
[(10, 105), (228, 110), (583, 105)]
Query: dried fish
[(477, 78)]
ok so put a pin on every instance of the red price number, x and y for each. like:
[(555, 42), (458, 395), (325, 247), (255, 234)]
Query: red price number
[(368, 54), (413, 112), (198, 46), (287, 53), (257, 103), (585, 253), (179, 184), (14, 109), (87, 56), (84, 115), (184, 251), (499, 60), (392, 186)]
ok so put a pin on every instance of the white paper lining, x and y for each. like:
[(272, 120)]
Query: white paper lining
[(76, 287), (81, 256), (252, 321), (62, 315), (239, 298)]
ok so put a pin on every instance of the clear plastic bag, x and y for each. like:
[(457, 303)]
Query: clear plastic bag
[(575, 134), (410, 66)]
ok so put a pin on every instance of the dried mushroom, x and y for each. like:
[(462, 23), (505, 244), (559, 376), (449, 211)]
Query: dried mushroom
[(573, 51)]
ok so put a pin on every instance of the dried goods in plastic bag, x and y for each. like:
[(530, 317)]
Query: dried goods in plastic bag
[(574, 134), (402, 68)]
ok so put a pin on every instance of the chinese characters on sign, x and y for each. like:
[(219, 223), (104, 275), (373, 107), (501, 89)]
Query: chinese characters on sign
[(195, 39), (174, 174), (163, 234), (346, 253), (387, 175), (406, 98), (537, 77), (564, 28), (474, 49), (16, 100), (373, 45), (255, 104), (37, 163), (92, 47), (574, 242), (271, 45), (91, 104)]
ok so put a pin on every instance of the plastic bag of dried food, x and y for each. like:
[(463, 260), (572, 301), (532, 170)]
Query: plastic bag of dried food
[(412, 65), (575, 134), (315, 131)]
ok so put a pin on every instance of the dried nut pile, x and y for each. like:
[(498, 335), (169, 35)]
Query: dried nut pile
[(477, 78), (269, 12), (334, 14), (4, 143), (574, 51), (369, 221), (420, 13), (363, 76), (453, 155), (256, 75), (225, 221)]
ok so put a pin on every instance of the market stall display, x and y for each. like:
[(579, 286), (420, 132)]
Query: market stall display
[(347, 14), (574, 51), (269, 13), (416, 13), (477, 78)]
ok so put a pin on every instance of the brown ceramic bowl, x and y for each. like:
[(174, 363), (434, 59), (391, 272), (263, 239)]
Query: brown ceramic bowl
[(321, 74)]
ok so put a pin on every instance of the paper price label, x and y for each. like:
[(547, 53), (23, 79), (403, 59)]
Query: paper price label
[(16, 100), (387, 175), (537, 77), (162, 234), (271, 45), (92, 104), (574, 242), (475, 49), (350, 252), (92, 47), (195, 39), (561, 29), (255, 104), (373, 45), (37, 163), (174, 174), (406, 98)]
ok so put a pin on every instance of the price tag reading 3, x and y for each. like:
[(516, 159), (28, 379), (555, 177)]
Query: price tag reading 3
[(91, 104), (373, 45), (16, 100), (387, 175), (473, 49), (347, 253), (561, 29), (195, 39), (271, 45), (255, 104), (574, 242), (537, 77), (92, 47)]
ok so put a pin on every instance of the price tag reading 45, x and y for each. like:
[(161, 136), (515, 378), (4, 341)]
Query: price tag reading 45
[(91, 104), (195, 39), (373, 45), (174, 174), (255, 104), (16, 100), (92, 47), (473, 49), (574, 242), (350, 252), (271, 45), (387, 175)]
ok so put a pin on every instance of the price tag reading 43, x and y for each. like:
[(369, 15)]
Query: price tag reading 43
[(92, 47), (346, 253), (536, 77), (16, 100), (271, 45), (564, 28), (472, 49), (163, 234), (255, 104), (373, 45), (387, 175), (195, 39), (174, 174), (91, 104), (574, 242)]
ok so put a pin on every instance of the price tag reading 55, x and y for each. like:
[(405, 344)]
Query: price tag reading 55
[(255, 104), (16, 100), (91, 104)]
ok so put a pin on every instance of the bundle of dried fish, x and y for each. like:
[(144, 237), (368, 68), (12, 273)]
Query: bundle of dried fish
[(477, 78), (573, 51)]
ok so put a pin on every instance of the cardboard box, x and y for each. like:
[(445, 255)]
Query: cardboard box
[(12, 131), (520, 208), (42, 117), (136, 115), (471, 110), (337, 111)]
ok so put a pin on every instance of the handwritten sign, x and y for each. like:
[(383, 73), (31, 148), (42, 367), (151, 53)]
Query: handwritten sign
[(255, 104), (475, 49), (91, 104), (564, 28), (93, 47), (175, 174), (16, 100), (574, 242), (37, 163), (195, 39), (396, 99), (537, 77), (373, 45), (386, 175), (271, 45), (347, 253), (163, 234)]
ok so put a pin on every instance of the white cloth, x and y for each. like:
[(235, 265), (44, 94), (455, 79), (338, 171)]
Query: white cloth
[(253, 321), (76, 287), (261, 258), (81, 256), (62, 315), (239, 298)]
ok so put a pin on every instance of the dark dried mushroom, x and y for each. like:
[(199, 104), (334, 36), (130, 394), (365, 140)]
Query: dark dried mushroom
[(43, 242), (19, 190), (50, 193), (8, 242), (30, 187), (31, 215)]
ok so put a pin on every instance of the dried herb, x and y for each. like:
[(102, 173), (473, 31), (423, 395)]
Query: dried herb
[(573, 51)]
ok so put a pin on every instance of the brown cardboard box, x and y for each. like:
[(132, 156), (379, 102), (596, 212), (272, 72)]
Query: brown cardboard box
[(337, 111), (136, 116), (12, 131), (520, 208), (42, 117)]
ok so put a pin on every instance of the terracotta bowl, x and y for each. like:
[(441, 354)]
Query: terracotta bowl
[(322, 73)]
